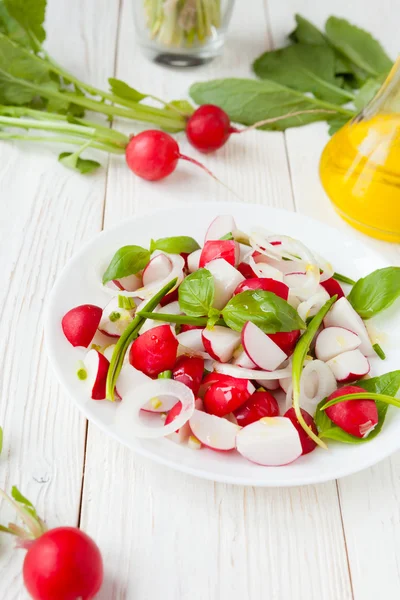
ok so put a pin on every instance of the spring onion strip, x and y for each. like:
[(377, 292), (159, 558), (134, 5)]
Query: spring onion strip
[(130, 333), (343, 278), (299, 356), (363, 396), (180, 319)]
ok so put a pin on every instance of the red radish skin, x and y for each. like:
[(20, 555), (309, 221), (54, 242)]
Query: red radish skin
[(153, 155), (286, 340), (154, 351), (182, 434), (333, 287), (246, 271), (261, 350), (264, 283), (220, 226), (349, 366), (224, 380), (213, 249), (222, 398), (171, 297), (99, 385), (260, 404), (220, 342), (307, 444), (357, 417), (208, 128), (80, 324), (189, 370), (63, 564), (190, 327)]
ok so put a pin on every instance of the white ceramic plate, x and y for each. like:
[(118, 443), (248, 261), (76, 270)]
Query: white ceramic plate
[(79, 284)]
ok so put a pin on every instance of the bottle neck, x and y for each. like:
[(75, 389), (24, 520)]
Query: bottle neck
[(387, 99)]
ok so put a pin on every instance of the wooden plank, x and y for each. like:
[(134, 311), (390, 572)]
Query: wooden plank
[(369, 500), (164, 534), (47, 212)]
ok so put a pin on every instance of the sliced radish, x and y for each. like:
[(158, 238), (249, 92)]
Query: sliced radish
[(271, 385), (333, 287), (130, 283), (307, 443), (109, 351), (242, 360), (285, 383), (271, 441), (222, 225), (357, 417), (226, 280), (246, 270), (80, 324), (191, 342), (96, 366), (154, 351), (189, 370), (158, 268), (220, 342), (128, 413), (349, 366), (260, 348), (182, 434), (259, 405), (114, 319), (225, 249), (333, 341), (263, 283), (193, 261), (286, 340), (342, 314), (309, 308), (172, 308), (214, 432), (224, 397)]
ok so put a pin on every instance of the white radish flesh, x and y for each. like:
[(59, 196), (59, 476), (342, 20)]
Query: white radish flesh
[(220, 342), (193, 260), (342, 314), (260, 348), (226, 280), (129, 283), (349, 366), (242, 360), (158, 268), (114, 319), (96, 366), (172, 308), (214, 432), (269, 385), (333, 341), (191, 342), (221, 225), (271, 441)]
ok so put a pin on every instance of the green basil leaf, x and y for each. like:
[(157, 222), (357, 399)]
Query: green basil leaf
[(358, 45), (375, 292), (72, 160), (123, 90), (388, 384), (304, 68), (128, 260), (248, 101), (213, 317), (196, 293), (30, 14), (265, 309), (175, 245)]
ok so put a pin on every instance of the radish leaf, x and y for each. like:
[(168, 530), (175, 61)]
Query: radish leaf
[(268, 311), (75, 162), (123, 90), (375, 292), (30, 14), (196, 293), (367, 92), (387, 384), (307, 33), (128, 260), (12, 28), (175, 245)]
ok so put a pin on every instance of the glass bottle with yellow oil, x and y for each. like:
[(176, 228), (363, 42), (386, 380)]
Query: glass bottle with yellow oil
[(360, 165)]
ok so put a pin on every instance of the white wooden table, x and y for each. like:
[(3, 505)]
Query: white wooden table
[(165, 535)]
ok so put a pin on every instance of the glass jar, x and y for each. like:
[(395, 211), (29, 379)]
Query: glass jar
[(360, 165), (182, 33)]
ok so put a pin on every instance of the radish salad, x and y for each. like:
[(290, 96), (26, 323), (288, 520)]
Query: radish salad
[(246, 343)]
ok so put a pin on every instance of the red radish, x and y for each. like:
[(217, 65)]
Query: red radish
[(307, 443), (225, 396), (80, 324), (264, 283), (342, 314), (192, 340), (193, 260), (226, 280), (154, 154), (96, 366), (129, 283), (260, 348), (242, 360), (214, 377), (154, 351), (220, 342), (220, 226), (169, 298), (61, 564), (182, 434), (213, 432), (333, 287), (226, 249), (246, 270), (260, 404), (185, 327), (357, 417), (271, 441), (349, 366), (208, 128), (158, 268), (114, 320), (286, 340), (332, 341), (189, 370)]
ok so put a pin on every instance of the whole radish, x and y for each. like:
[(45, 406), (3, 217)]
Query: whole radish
[(286, 340), (154, 351), (260, 404), (80, 324), (60, 564), (189, 370), (357, 417), (154, 154)]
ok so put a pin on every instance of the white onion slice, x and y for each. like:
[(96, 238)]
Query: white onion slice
[(303, 285), (240, 373), (316, 383), (310, 307), (128, 412), (262, 269), (325, 266)]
